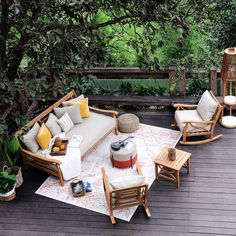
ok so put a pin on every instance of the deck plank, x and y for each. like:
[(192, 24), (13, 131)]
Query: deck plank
[(203, 205)]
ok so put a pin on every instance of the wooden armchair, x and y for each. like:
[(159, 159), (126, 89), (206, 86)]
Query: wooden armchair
[(125, 197), (198, 120)]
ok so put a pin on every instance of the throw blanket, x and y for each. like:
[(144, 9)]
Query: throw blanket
[(71, 162)]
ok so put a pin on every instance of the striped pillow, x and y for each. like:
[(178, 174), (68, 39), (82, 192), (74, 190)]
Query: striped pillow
[(65, 122)]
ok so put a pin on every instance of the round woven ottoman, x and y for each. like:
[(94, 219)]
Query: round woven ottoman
[(128, 123), (125, 157)]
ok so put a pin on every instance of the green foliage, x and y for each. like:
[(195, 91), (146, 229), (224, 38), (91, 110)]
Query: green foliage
[(196, 87), (9, 149), (7, 181), (41, 40), (222, 23), (126, 88)]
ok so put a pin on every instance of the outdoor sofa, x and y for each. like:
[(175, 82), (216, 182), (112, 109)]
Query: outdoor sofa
[(93, 130)]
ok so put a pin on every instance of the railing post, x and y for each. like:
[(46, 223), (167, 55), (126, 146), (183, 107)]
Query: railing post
[(172, 81), (182, 78), (202, 73), (213, 78)]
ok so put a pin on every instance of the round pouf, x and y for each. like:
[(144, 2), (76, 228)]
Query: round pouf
[(125, 157), (128, 123)]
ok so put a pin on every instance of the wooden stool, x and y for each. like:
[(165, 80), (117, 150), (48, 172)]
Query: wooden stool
[(169, 170)]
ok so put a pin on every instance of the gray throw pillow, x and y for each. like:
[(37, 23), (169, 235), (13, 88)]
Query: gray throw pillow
[(29, 139), (73, 112), (52, 125)]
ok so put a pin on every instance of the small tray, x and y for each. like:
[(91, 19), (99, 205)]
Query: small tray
[(61, 152)]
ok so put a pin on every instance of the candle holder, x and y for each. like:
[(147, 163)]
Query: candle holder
[(172, 154)]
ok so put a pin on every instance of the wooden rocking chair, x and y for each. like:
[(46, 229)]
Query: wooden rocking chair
[(199, 121), (125, 197)]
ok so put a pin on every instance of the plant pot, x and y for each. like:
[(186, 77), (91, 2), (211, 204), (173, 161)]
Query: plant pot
[(9, 196), (17, 171)]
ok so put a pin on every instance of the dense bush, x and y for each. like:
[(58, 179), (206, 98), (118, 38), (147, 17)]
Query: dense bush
[(41, 40)]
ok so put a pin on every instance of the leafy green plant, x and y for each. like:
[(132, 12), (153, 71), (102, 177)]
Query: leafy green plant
[(197, 87), (7, 181), (140, 90), (9, 149)]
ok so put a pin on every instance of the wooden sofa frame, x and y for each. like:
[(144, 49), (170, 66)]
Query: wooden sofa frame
[(199, 124), (126, 197), (49, 165)]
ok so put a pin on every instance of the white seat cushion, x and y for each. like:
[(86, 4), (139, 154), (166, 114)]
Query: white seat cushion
[(230, 100), (207, 106), (189, 115), (92, 129), (127, 181)]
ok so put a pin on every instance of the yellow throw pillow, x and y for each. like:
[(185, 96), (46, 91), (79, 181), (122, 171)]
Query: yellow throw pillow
[(84, 108), (43, 137)]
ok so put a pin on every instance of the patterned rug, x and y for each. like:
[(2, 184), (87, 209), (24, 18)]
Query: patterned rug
[(149, 140)]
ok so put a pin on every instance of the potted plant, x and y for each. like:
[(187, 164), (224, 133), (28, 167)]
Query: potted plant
[(7, 186), (11, 154)]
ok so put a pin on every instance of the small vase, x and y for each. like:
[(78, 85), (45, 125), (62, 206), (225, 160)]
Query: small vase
[(172, 154)]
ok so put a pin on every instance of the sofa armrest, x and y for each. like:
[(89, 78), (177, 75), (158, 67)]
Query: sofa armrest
[(39, 157), (105, 112)]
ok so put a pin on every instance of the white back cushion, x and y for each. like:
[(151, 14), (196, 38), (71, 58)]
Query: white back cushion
[(29, 139), (207, 106), (73, 112), (78, 99), (127, 181), (52, 125)]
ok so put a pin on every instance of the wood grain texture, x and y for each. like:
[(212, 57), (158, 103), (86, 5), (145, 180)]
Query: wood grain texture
[(203, 205)]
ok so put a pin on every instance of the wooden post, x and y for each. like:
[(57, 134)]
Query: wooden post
[(182, 78), (213, 78), (202, 73), (172, 81)]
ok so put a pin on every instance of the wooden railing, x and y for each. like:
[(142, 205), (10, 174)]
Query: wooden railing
[(176, 80), (175, 77)]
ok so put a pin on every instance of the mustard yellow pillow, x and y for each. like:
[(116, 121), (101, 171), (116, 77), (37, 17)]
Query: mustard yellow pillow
[(43, 137), (84, 108)]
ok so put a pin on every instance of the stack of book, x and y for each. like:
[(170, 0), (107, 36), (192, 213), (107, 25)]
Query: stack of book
[(79, 188)]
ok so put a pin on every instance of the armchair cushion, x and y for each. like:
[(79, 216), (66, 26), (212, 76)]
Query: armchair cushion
[(190, 115), (127, 181), (207, 106)]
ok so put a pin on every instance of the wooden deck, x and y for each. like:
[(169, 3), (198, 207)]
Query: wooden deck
[(205, 203)]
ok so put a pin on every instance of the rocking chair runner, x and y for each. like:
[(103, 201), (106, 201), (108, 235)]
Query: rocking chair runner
[(125, 197), (200, 121)]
